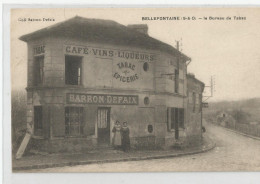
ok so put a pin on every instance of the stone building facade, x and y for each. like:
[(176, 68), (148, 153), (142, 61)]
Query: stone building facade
[(84, 74), (195, 90)]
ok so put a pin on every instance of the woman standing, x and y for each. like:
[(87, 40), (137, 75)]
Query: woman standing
[(125, 137), (117, 135)]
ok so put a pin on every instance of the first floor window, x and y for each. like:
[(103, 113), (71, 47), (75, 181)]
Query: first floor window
[(38, 70), (190, 97), (175, 118), (197, 99), (194, 101), (181, 117), (200, 102), (73, 70), (38, 118), (73, 121)]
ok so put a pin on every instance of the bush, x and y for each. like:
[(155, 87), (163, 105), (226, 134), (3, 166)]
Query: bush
[(240, 116)]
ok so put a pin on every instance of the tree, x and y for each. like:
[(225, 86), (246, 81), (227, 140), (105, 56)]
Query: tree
[(18, 101), (240, 116)]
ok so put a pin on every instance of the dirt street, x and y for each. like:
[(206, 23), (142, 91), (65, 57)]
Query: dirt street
[(233, 152)]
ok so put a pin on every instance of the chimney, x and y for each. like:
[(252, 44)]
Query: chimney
[(142, 28), (191, 75)]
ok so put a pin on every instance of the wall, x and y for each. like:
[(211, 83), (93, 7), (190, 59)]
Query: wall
[(193, 126), (164, 74), (99, 68)]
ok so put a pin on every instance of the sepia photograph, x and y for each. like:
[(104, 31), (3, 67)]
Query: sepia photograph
[(135, 89)]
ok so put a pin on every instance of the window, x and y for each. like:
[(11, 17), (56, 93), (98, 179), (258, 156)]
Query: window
[(73, 121), (146, 66), (150, 128), (146, 100), (73, 70), (197, 99), (194, 101), (38, 70), (200, 102), (190, 98), (181, 65), (181, 118), (175, 118), (38, 118), (176, 81)]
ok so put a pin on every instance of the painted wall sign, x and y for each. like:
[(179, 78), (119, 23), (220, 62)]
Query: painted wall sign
[(107, 53), (39, 50), (102, 99), (126, 72)]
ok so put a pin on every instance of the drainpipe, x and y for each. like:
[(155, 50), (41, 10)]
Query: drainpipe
[(201, 121)]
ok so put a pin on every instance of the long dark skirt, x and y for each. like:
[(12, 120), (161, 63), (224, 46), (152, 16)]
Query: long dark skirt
[(125, 139)]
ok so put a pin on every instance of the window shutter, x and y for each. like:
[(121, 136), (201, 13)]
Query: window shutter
[(181, 118), (169, 119), (90, 114)]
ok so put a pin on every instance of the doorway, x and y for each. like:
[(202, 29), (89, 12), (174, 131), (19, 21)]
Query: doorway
[(103, 125)]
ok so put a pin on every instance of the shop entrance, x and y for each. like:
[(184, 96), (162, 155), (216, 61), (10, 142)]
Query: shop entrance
[(103, 125)]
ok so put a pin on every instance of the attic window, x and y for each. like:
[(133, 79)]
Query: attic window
[(73, 70)]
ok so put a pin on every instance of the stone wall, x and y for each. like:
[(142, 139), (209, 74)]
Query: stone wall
[(98, 77)]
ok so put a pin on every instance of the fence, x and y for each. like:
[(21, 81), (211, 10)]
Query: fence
[(250, 129)]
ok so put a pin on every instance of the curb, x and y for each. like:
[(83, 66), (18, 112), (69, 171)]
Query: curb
[(246, 135), (44, 166)]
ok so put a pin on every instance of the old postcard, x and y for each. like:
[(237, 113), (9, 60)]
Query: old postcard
[(135, 89)]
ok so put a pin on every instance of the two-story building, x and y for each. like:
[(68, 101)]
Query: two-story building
[(84, 74)]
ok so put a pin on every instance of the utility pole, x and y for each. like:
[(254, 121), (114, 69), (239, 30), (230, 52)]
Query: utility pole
[(176, 88), (212, 88), (178, 45)]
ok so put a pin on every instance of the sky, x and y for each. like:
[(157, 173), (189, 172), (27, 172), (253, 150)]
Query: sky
[(227, 50)]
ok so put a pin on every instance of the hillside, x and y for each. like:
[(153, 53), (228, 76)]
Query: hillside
[(249, 107)]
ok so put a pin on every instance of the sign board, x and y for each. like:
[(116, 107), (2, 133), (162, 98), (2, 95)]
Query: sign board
[(39, 50), (108, 53), (205, 105), (126, 72), (102, 99)]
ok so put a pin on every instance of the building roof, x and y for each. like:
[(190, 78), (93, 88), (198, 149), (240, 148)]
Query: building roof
[(192, 76), (102, 31)]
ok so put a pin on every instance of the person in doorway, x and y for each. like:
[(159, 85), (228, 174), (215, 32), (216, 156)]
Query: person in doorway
[(117, 135), (125, 137)]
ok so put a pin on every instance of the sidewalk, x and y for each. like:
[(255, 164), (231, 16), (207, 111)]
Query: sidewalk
[(237, 132), (104, 156)]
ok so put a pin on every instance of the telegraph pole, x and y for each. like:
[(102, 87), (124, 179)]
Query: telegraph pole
[(212, 89)]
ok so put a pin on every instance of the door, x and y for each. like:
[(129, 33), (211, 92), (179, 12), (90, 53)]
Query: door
[(103, 125), (176, 123)]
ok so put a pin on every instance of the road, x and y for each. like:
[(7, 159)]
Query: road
[(234, 152)]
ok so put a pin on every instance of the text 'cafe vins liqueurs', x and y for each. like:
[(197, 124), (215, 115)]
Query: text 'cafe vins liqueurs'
[(85, 74), (108, 53)]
